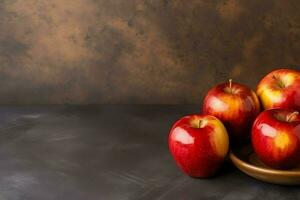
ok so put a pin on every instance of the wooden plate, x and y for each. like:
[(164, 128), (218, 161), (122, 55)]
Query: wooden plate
[(246, 160)]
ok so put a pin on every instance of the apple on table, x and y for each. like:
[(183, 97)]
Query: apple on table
[(276, 138), (199, 144), (236, 105), (280, 89)]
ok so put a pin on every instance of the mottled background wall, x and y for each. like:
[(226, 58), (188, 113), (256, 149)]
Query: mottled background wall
[(140, 51)]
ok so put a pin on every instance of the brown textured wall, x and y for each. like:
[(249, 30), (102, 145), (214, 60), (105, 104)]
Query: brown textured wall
[(140, 51)]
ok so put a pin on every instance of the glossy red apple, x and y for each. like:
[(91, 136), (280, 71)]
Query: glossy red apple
[(199, 144), (280, 89), (276, 138), (236, 106)]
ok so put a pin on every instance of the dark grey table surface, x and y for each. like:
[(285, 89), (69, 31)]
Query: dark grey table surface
[(107, 152)]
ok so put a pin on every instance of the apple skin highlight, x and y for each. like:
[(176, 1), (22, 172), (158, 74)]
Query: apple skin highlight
[(236, 106), (280, 89), (199, 144), (276, 138)]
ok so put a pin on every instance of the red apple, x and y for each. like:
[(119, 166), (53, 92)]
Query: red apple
[(280, 89), (199, 144), (236, 106), (276, 138)]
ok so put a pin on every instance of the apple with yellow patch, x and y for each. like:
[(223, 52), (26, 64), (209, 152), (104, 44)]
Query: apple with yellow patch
[(236, 105), (280, 89), (276, 138), (199, 144)]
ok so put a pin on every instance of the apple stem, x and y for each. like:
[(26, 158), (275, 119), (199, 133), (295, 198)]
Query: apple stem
[(280, 82), (199, 124), (230, 83), (290, 116)]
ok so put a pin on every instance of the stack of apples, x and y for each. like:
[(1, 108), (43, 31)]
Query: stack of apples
[(233, 114)]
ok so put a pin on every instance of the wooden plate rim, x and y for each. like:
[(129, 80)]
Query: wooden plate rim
[(246, 165)]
